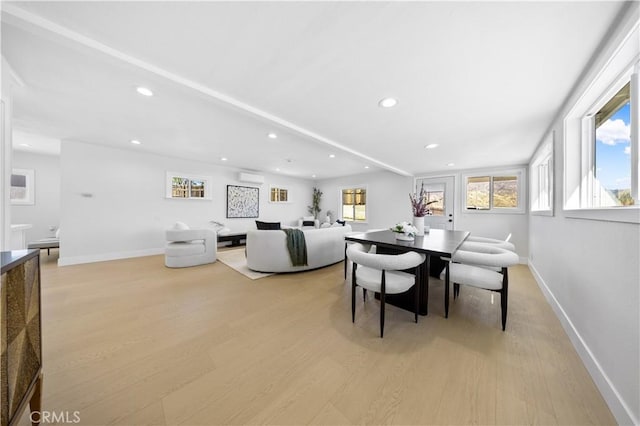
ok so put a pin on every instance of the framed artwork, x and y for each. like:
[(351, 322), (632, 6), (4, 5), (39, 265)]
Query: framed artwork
[(184, 186), (22, 187), (242, 201)]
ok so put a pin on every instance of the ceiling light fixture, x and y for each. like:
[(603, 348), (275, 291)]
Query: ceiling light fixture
[(272, 136), (431, 146), (26, 145), (332, 156), (313, 176), (223, 158), (388, 102), (277, 169), (144, 91), (450, 164), (136, 142), (366, 167)]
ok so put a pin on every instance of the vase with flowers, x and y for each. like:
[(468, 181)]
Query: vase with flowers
[(404, 231), (420, 207)]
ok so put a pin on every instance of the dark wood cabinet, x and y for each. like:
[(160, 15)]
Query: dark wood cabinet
[(21, 332)]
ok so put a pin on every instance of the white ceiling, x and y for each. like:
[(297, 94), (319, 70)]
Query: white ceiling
[(481, 79)]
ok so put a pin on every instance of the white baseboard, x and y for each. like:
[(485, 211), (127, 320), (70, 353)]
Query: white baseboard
[(77, 260), (620, 410)]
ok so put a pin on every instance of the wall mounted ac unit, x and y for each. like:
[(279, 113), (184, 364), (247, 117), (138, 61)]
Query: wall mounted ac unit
[(250, 178)]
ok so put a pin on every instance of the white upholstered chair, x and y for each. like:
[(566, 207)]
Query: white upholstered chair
[(381, 273), (483, 266), (505, 244), (308, 220), (189, 247)]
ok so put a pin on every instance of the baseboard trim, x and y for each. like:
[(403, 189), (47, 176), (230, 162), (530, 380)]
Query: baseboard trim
[(77, 260), (616, 404)]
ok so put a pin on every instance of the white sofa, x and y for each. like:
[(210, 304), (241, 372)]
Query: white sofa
[(267, 250)]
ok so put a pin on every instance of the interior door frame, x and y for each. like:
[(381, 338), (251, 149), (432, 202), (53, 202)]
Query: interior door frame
[(453, 190)]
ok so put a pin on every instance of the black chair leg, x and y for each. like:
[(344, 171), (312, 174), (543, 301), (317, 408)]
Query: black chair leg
[(456, 290), (382, 297), (353, 294), (446, 291), (345, 260), (416, 294), (364, 294)]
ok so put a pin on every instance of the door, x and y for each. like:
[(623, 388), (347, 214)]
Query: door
[(440, 190)]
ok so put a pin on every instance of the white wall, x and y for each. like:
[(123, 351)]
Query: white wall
[(487, 224), (589, 272), (46, 210), (127, 213), (387, 198)]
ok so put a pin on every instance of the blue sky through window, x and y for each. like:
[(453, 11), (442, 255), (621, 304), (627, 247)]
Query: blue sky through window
[(613, 155)]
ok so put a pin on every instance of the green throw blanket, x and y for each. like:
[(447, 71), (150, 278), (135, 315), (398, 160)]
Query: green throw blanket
[(297, 247)]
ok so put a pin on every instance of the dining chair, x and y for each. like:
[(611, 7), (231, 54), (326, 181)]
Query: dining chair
[(382, 273), (483, 266), (505, 244)]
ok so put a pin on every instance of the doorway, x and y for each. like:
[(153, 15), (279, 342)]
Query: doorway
[(441, 190)]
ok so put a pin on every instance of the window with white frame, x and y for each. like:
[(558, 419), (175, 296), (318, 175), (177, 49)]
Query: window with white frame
[(541, 178), (601, 140), (278, 194), (354, 204), (499, 191)]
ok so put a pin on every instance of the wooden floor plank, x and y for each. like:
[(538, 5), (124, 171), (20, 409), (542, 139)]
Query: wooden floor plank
[(132, 342)]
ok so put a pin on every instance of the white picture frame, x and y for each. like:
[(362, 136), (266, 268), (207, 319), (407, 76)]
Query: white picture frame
[(22, 187)]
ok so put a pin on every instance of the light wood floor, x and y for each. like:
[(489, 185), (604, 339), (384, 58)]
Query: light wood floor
[(132, 342)]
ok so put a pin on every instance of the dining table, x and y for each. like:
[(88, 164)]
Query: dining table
[(437, 243)]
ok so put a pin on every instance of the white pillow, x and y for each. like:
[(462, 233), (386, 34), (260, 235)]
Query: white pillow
[(308, 218), (180, 226)]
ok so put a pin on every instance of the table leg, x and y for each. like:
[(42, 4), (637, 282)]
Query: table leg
[(424, 286)]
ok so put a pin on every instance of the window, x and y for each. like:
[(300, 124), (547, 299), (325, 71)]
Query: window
[(496, 192), (612, 157), (278, 195), (601, 153), (354, 204), (541, 178), (436, 195), (188, 187)]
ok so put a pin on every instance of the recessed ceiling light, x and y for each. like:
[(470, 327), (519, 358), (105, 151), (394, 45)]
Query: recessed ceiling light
[(136, 142), (223, 158), (332, 156), (272, 136), (450, 164), (277, 169), (388, 102), (431, 146), (313, 176), (144, 91), (366, 167), (26, 145)]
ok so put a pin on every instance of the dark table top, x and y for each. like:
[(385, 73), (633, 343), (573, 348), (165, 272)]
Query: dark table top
[(437, 242), (10, 259)]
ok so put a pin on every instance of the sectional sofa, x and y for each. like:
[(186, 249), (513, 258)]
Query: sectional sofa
[(267, 250)]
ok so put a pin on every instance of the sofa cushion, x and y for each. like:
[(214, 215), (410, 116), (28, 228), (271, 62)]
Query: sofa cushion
[(311, 218), (180, 226), (266, 226)]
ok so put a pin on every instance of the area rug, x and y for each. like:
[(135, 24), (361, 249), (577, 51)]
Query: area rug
[(236, 259)]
